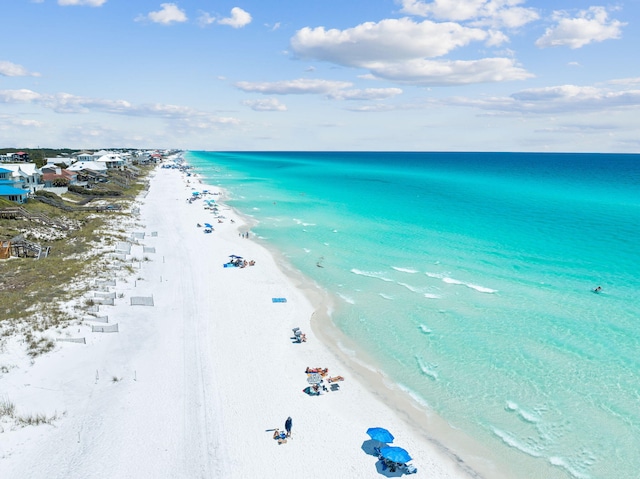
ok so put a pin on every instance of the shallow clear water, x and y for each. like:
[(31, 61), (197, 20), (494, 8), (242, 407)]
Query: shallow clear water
[(469, 277)]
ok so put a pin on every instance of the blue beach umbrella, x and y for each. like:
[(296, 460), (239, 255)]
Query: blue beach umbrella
[(395, 454), (208, 225), (380, 434)]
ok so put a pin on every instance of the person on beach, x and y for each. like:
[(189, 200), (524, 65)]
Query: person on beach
[(287, 425)]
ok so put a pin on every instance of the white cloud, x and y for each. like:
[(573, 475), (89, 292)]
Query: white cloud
[(292, 87), (27, 123), (496, 13), (91, 3), (592, 25), (365, 94), (558, 99), (238, 19), (269, 104), (398, 50), (9, 69), (453, 72), (625, 81), (168, 14), (66, 103), (387, 40), (18, 96), (206, 19)]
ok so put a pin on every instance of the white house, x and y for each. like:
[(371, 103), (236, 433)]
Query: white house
[(84, 156), (26, 174), (88, 165), (59, 161), (111, 160), (101, 153)]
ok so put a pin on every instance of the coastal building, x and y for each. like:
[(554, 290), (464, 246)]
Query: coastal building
[(53, 179), (6, 178), (111, 160), (13, 157), (80, 166), (24, 175), (59, 161), (84, 156), (17, 195)]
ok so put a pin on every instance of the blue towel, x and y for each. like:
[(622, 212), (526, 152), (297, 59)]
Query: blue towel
[(279, 300)]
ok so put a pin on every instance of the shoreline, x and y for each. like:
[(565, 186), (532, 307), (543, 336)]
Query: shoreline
[(469, 456), (193, 385)]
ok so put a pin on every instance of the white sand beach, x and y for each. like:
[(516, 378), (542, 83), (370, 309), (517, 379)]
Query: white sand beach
[(194, 385)]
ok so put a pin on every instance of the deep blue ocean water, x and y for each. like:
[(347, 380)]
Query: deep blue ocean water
[(469, 277)]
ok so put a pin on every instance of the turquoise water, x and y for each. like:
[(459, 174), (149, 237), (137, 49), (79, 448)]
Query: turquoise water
[(469, 277)]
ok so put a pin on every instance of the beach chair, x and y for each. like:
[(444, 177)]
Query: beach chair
[(409, 469), (335, 387)]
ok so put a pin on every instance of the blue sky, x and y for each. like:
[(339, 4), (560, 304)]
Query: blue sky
[(414, 75)]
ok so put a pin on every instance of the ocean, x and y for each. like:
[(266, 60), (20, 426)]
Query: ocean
[(469, 278)]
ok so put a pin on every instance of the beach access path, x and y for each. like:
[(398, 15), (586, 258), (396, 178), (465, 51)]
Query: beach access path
[(193, 386)]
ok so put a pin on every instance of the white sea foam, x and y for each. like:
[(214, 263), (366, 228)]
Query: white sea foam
[(564, 464), (431, 296), (426, 368), (385, 296), (346, 298), (512, 441), (424, 329), (411, 288), (524, 414), (405, 270), (481, 289), (306, 250), (372, 274), (300, 222), (434, 275), (416, 397)]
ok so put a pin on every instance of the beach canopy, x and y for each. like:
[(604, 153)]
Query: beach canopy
[(234, 256), (380, 434), (314, 378), (395, 454), (208, 225)]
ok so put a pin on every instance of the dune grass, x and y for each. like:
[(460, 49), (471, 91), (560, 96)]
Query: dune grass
[(34, 290)]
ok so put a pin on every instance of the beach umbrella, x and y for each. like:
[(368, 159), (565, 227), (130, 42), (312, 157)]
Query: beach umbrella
[(314, 378), (395, 454), (380, 434), (208, 225), (234, 256)]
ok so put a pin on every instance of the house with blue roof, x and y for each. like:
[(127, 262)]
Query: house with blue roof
[(17, 195), (8, 191)]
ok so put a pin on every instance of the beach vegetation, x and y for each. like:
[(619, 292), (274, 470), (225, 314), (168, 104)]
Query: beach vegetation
[(35, 420), (37, 346), (7, 408), (34, 291)]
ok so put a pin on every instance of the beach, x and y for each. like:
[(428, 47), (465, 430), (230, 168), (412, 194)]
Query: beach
[(194, 385)]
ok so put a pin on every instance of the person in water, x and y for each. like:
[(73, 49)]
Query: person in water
[(598, 289)]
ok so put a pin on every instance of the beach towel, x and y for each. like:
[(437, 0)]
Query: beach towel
[(279, 300)]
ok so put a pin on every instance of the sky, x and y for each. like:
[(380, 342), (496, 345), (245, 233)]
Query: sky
[(269, 75)]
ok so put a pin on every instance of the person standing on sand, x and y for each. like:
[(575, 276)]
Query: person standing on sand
[(287, 425)]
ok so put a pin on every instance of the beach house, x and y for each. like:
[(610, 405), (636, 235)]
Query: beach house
[(56, 177), (8, 191), (24, 175)]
